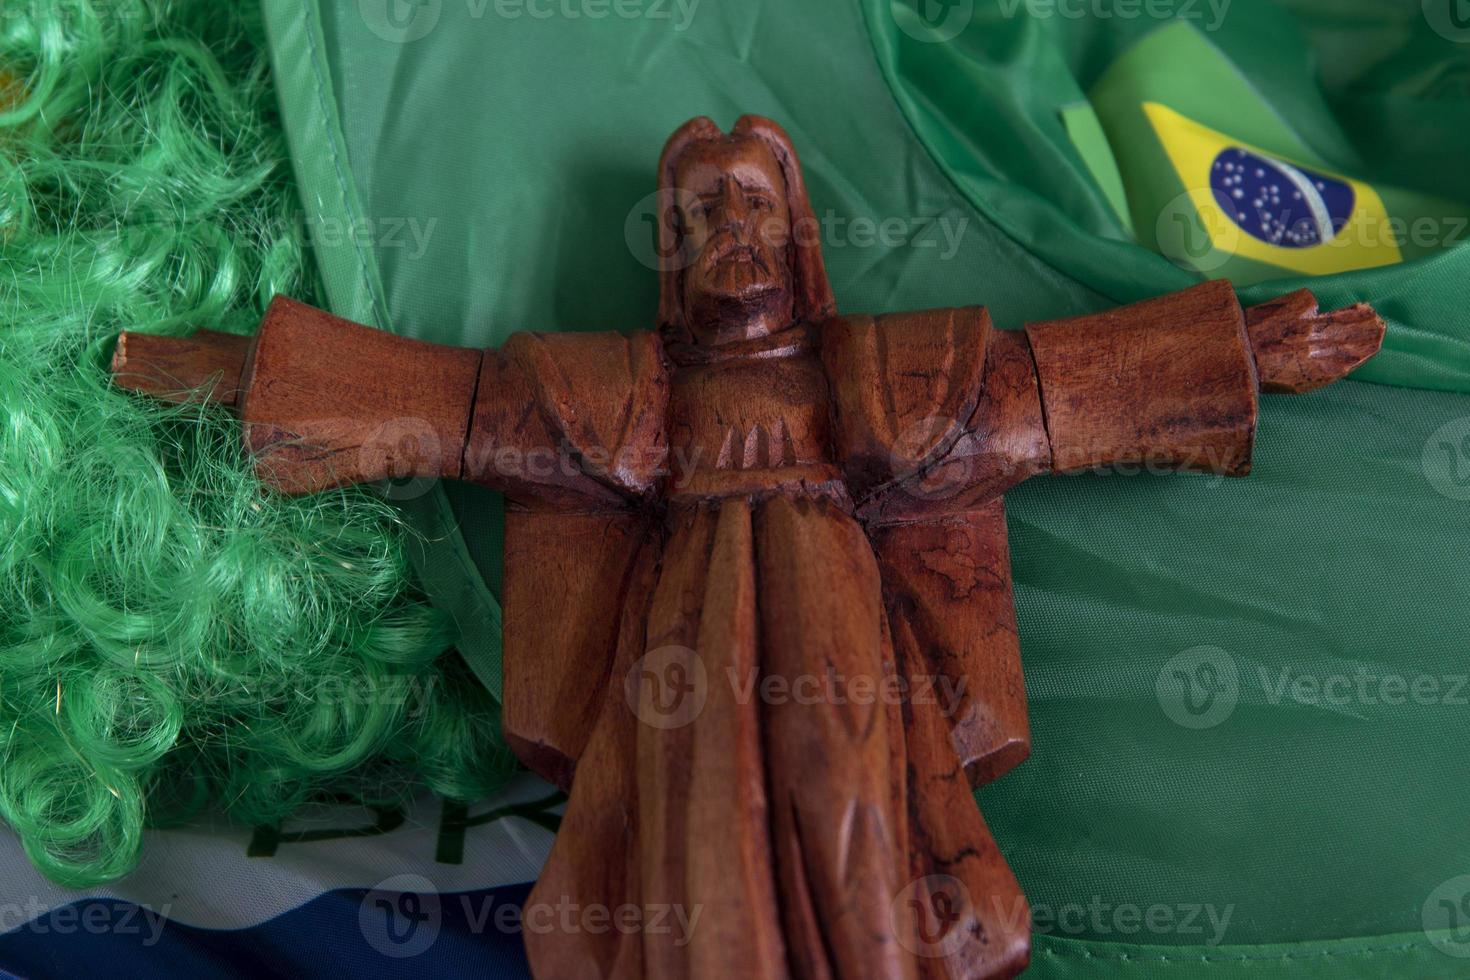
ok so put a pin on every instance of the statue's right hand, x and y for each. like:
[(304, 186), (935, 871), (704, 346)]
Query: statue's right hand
[(1299, 349)]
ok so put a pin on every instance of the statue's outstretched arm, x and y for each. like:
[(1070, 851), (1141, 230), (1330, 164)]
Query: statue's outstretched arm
[(1169, 383), (1172, 382), (326, 402)]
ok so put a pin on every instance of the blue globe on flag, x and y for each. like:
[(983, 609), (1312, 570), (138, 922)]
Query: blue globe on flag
[(1278, 203)]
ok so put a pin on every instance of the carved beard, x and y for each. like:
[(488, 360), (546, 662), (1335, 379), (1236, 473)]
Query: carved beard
[(733, 285)]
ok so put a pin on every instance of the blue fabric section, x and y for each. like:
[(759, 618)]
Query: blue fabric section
[(348, 933)]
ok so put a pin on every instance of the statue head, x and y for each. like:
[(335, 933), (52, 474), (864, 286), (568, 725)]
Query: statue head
[(740, 254)]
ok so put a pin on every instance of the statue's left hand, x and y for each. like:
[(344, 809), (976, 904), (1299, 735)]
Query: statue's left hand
[(1299, 349)]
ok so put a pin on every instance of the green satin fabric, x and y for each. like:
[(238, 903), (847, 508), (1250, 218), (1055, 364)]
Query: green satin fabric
[(1368, 88), (524, 149)]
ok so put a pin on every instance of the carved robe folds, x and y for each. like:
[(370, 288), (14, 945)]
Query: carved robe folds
[(806, 822), (783, 644)]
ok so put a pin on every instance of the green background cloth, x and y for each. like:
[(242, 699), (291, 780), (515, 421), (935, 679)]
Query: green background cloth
[(1330, 828)]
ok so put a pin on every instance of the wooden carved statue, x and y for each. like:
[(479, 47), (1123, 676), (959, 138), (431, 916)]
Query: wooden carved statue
[(742, 548)]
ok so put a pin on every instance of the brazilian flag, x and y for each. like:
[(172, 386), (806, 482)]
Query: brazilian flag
[(1249, 704), (1213, 176)]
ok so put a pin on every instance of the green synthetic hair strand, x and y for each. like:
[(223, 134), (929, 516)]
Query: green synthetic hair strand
[(171, 635)]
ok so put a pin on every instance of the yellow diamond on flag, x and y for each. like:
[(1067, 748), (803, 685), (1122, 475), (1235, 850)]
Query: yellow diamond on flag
[(1261, 206)]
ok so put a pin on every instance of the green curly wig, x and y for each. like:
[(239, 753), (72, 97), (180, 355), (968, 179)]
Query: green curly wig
[(173, 636)]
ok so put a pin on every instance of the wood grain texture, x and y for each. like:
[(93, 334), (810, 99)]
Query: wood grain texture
[(1167, 383), (1003, 443), (514, 447), (898, 778), (700, 760), (1299, 349), (375, 406), (716, 427), (666, 689), (903, 386), (606, 396), (556, 666), (947, 589), (575, 419), (828, 750), (731, 883), (204, 367), (964, 912), (596, 858)]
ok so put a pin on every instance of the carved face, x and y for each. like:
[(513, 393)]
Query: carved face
[(737, 225)]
